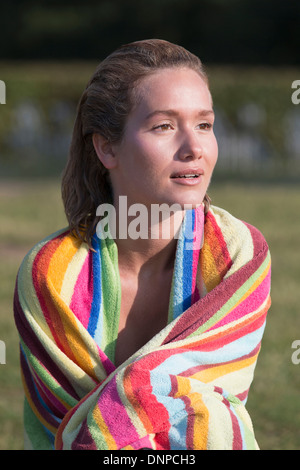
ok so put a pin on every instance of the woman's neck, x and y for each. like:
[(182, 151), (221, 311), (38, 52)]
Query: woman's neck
[(150, 241)]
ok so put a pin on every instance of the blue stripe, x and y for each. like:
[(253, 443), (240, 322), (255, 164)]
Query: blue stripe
[(97, 298), (182, 283), (182, 361), (188, 259), (176, 409)]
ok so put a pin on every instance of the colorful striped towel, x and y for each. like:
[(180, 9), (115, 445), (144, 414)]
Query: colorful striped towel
[(187, 387)]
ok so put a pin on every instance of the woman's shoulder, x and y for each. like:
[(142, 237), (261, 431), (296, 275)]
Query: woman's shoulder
[(243, 240), (233, 226), (50, 255)]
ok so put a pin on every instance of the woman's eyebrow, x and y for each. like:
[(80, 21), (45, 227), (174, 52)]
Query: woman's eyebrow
[(173, 112)]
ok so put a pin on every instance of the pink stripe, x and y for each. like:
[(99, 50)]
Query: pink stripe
[(118, 423), (83, 293), (257, 297), (143, 442)]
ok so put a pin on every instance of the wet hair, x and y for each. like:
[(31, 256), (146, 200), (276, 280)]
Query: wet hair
[(105, 104)]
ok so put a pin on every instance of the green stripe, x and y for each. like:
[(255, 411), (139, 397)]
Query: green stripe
[(111, 289), (35, 431), (96, 433), (47, 378)]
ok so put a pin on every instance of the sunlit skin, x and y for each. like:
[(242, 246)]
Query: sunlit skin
[(168, 133), (169, 130)]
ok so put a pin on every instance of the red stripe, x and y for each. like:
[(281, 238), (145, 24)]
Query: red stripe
[(143, 398), (237, 443), (242, 396)]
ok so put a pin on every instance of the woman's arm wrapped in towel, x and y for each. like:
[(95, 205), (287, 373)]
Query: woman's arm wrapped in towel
[(185, 389)]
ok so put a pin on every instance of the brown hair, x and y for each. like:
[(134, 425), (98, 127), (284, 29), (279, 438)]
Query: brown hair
[(103, 108)]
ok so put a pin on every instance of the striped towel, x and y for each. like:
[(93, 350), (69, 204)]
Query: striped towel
[(187, 387)]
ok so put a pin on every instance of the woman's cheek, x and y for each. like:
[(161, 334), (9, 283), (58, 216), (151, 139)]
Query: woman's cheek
[(214, 150)]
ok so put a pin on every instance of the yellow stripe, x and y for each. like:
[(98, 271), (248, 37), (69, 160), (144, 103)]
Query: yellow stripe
[(201, 422), (210, 273), (201, 416), (60, 261), (212, 373), (105, 433), (74, 332), (183, 386)]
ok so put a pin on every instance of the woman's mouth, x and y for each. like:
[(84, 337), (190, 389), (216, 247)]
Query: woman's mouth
[(196, 175), (187, 176)]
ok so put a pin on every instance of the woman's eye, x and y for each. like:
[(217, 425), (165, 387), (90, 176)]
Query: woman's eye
[(205, 126), (163, 127)]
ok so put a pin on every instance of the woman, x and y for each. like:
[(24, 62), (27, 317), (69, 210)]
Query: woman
[(134, 342)]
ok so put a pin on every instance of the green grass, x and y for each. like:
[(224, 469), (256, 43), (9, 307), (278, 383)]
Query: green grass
[(274, 402), (30, 210)]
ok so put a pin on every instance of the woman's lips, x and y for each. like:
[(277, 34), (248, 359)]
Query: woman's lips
[(188, 176)]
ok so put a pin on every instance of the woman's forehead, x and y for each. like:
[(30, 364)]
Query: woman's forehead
[(169, 89)]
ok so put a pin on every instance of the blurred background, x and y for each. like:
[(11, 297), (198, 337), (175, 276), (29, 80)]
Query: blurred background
[(251, 50)]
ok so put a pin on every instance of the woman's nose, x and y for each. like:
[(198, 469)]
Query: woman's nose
[(191, 147)]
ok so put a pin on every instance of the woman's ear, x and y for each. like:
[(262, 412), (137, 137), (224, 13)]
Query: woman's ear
[(104, 151)]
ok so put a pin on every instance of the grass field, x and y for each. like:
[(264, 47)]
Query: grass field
[(30, 210)]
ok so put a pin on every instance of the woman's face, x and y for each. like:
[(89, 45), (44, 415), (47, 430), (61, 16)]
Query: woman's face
[(169, 150)]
